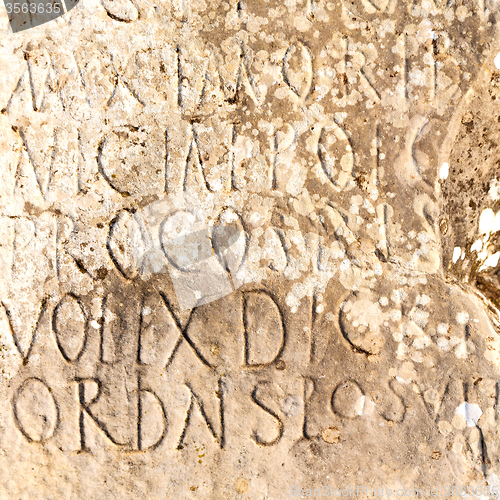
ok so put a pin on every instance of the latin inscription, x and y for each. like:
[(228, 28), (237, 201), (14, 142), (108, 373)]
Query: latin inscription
[(234, 235), (253, 344)]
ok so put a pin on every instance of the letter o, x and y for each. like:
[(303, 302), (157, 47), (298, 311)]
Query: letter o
[(35, 410)]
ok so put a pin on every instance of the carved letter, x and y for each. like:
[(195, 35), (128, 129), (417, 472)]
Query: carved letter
[(195, 399), (264, 329), (150, 410), (35, 410), (85, 401), (259, 403)]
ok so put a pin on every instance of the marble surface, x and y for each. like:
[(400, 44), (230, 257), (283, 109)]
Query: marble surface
[(250, 250)]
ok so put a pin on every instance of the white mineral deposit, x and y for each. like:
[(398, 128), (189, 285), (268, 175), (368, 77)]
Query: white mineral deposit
[(249, 249)]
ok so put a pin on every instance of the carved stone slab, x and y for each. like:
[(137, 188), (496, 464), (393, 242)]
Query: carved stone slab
[(249, 250)]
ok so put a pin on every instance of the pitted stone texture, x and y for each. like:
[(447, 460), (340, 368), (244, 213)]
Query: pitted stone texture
[(228, 249)]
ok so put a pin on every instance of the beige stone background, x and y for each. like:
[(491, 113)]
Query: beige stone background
[(354, 147)]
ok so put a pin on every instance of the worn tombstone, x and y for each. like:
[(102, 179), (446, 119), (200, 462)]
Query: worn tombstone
[(249, 250)]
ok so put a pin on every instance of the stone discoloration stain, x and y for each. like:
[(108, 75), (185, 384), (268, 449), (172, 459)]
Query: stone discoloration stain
[(248, 245)]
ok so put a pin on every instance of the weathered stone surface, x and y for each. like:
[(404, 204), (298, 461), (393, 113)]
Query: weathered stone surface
[(249, 248)]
